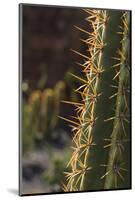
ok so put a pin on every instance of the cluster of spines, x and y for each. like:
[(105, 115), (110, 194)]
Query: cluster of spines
[(114, 168), (85, 118)]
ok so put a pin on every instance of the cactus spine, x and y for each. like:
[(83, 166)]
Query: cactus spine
[(89, 125)]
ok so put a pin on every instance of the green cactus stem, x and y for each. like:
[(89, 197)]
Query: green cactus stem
[(89, 126), (120, 135)]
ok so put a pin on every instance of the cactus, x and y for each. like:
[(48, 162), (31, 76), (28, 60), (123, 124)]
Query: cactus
[(50, 107), (40, 114), (59, 92), (47, 107), (31, 113), (102, 115), (120, 132)]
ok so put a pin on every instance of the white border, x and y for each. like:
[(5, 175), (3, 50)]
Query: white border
[(9, 97)]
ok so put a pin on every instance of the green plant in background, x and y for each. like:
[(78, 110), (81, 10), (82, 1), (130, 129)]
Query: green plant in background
[(40, 114), (59, 94), (103, 114), (43, 77), (41, 131), (47, 107), (50, 107), (54, 175), (31, 112)]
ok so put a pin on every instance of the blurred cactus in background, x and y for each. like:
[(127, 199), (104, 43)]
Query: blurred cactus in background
[(57, 165), (59, 94), (43, 77), (47, 107), (31, 112), (40, 114)]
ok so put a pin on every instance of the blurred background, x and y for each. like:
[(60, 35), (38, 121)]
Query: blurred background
[(48, 36)]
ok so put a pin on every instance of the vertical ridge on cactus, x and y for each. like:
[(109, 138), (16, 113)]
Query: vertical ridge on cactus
[(119, 135)]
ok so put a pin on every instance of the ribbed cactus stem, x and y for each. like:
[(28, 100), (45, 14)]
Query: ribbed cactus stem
[(93, 68), (97, 59), (89, 126), (115, 167)]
